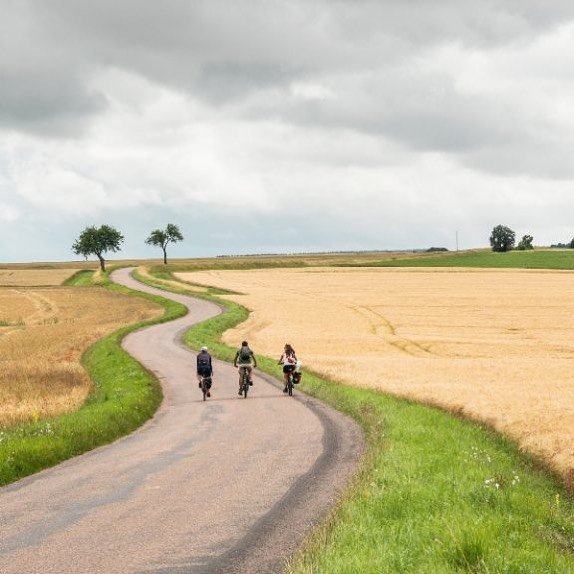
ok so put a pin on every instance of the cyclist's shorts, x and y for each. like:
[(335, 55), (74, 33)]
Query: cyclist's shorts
[(288, 368), (204, 371)]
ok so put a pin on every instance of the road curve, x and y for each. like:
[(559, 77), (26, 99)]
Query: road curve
[(225, 486)]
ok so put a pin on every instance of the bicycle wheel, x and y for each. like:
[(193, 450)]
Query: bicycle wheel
[(204, 389), (290, 385), (245, 385)]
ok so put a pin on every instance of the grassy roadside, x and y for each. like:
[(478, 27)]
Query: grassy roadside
[(83, 278), (438, 495), (125, 396), (435, 494), (536, 259)]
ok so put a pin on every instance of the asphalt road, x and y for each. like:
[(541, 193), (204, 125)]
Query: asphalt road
[(226, 485)]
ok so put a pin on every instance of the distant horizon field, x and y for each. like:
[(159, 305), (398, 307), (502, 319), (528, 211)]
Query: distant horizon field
[(345, 256), (540, 258), (35, 277)]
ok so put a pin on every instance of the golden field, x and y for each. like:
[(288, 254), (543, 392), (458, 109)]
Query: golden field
[(34, 277), (494, 345), (43, 333)]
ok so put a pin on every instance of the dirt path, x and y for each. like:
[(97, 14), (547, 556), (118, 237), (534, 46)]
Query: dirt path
[(230, 485)]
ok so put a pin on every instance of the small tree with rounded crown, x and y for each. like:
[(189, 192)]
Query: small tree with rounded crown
[(161, 238), (502, 238), (97, 241), (525, 243)]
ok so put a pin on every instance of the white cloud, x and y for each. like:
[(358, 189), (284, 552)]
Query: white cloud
[(8, 213), (152, 146), (53, 188), (308, 91)]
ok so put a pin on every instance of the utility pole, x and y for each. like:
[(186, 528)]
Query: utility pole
[(457, 240)]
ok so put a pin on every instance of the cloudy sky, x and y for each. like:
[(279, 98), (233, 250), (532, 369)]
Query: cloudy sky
[(284, 126)]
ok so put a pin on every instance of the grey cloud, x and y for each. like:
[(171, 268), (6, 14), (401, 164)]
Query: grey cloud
[(226, 82), (541, 157), (257, 43), (245, 56), (44, 79), (421, 112), (47, 104)]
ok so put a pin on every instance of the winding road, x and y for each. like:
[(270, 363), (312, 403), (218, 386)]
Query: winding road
[(223, 486)]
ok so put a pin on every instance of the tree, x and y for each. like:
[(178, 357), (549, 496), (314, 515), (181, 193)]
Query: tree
[(97, 241), (502, 238), (571, 244), (525, 243), (161, 238)]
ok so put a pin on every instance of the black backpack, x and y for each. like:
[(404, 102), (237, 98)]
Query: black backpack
[(203, 360)]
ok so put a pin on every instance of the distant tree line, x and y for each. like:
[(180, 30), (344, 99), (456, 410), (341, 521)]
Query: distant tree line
[(100, 240), (503, 239), (564, 245)]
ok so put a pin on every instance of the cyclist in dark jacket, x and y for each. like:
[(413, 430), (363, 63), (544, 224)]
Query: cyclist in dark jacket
[(204, 367)]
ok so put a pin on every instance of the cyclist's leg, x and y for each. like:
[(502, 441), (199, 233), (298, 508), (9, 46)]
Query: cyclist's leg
[(241, 370), (287, 372), (207, 381), (285, 378), (249, 372)]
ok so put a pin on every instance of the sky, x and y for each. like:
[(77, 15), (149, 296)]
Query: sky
[(271, 126)]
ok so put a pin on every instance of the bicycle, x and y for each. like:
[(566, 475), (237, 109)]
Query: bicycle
[(293, 378), (245, 382), (290, 384), (205, 385)]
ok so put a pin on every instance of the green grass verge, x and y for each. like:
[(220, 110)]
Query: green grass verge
[(82, 278), (536, 259), (125, 396), (435, 494)]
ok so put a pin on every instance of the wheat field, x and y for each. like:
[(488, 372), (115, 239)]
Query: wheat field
[(34, 277), (494, 345), (43, 333)]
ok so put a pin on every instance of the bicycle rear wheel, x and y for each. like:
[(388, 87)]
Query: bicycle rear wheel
[(290, 385), (245, 384)]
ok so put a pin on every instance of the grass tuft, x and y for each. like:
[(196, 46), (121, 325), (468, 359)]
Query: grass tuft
[(82, 278)]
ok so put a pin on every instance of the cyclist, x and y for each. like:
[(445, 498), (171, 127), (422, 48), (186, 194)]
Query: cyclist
[(204, 368), (289, 361), (245, 360)]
